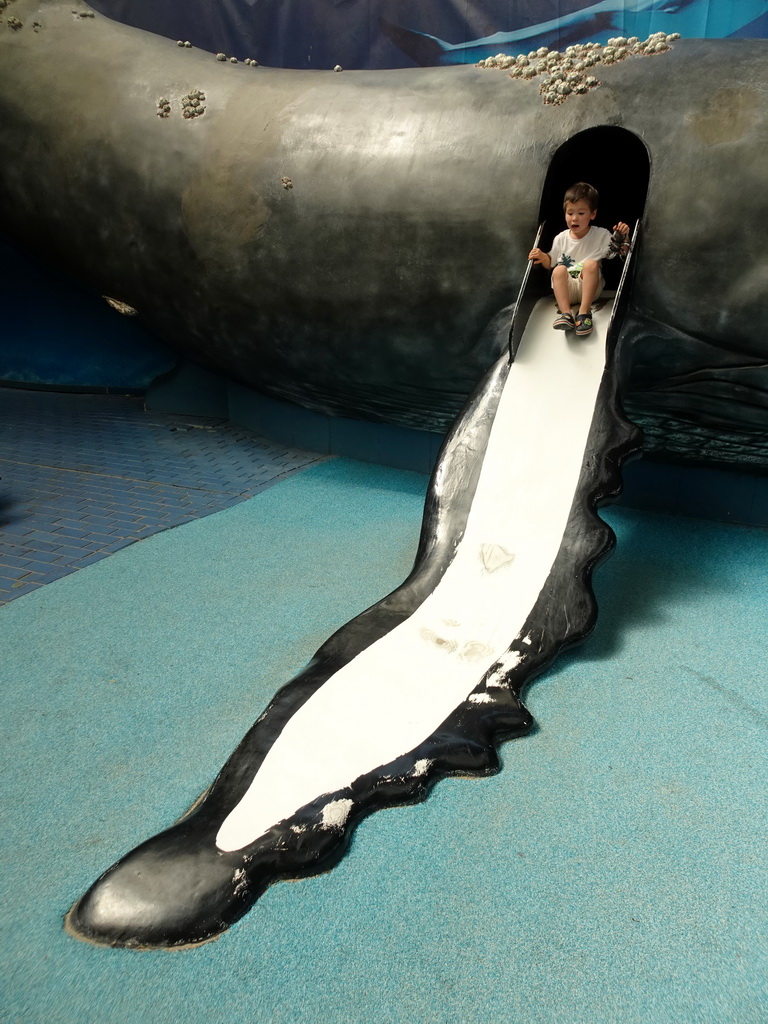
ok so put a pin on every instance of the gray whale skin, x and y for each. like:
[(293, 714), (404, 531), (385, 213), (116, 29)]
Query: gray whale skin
[(344, 241)]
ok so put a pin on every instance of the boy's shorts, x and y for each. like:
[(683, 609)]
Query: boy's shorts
[(575, 285)]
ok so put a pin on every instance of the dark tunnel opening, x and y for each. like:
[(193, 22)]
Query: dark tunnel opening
[(617, 164)]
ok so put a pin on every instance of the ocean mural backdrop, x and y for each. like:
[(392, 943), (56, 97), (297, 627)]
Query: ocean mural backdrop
[(356, 34)]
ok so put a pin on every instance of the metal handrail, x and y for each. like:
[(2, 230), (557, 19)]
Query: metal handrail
[(622, 296), (523, 303)]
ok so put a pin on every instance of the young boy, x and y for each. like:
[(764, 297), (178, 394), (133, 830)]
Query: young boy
[(576, 255)]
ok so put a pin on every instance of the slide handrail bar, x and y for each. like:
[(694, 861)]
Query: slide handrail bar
[(622, 296), (522, 303)]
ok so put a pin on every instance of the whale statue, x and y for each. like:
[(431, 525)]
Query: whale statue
[(344, 240), (364, 283), (356, 243)]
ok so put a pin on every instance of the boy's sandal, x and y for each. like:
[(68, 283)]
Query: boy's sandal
[(564, 322), (584, 323)]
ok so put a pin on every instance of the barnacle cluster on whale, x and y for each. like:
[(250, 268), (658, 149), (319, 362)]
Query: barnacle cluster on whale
[(567, 71), (12, 22), (192, 105), (249, 61)]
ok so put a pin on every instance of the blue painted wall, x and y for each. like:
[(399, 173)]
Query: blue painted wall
[(400, 33)]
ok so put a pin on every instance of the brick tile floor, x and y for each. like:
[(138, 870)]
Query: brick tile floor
[(85, 475)]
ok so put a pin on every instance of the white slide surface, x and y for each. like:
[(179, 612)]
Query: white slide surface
[(396, 693)]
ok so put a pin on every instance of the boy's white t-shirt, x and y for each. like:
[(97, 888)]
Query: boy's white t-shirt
[(572, 252)]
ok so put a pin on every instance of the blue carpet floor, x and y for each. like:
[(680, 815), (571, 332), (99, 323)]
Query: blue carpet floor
[(85, 475), (613, 871)]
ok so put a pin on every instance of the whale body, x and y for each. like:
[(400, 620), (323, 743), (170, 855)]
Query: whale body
[(343, 241)]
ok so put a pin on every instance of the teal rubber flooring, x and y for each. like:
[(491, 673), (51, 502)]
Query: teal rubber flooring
[(613, 872)]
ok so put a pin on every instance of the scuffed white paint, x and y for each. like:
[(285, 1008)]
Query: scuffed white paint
[(396, 693), (497, 676), (480, 698), (336, 813), (422, 766)]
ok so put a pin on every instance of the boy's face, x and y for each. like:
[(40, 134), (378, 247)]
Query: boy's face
[(578, 217)]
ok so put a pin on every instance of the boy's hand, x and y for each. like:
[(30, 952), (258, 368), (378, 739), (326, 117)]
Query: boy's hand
[(623, 228), (536, 255)]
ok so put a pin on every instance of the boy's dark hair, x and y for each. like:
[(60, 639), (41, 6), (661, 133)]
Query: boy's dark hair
[(582, 192)]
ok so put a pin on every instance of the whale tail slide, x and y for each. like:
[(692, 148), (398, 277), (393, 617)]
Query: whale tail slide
[(424, 683)]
